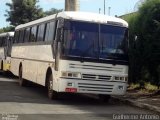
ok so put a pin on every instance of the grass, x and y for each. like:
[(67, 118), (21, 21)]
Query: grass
[(133, 86), (148, 87)]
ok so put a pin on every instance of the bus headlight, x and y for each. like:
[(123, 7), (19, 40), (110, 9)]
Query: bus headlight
[(71, 74), (118, 78)]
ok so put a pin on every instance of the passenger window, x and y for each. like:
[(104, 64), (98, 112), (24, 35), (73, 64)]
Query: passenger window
[(50, 31), (21, 36), (27, 35), (3, 41), (41, 32), (33, 34), (16, 37)]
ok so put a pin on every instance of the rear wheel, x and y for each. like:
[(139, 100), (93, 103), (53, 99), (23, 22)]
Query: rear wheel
[(51, 93), (104, 98), (22, 82)]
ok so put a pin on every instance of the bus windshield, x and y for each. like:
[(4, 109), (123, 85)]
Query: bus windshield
[(95, 41)]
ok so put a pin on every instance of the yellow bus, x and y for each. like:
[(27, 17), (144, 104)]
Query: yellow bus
[(6, 40)]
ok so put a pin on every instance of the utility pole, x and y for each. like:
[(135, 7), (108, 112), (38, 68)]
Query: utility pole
[(109, 11), (71, 5), (104, 7), (99, 10)]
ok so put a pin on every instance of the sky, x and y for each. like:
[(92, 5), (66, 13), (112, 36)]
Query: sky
[(117, 7)]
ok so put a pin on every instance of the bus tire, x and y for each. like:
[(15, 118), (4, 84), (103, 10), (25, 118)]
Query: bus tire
[(51, 93), (22, 82), (104, 98)]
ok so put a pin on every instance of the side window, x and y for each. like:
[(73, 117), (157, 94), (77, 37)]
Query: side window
[(27, 35), (33, 34), (50, 31), (41, 32), (21, 36), (3, 41), (16, 37)]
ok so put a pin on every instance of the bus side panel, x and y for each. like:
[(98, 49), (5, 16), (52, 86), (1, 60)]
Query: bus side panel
[(41, 72), (30, 70), (1, 53), (36, 59), (15, 66)]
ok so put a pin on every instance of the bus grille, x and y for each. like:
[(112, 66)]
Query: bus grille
[(87, 87), (96, 77), (94, 67)]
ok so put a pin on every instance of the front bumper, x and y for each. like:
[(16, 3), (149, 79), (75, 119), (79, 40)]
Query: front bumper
[(92, 87)]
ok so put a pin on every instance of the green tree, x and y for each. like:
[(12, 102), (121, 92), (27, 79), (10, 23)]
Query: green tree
[(148, 20), (23, 11), (145, 50), (7, 29), (52, 11), (1, 30)]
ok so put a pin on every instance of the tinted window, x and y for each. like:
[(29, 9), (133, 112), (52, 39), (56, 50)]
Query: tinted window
[(21, 37), (96, 41), (33, 34), (81, 39), (1, 41), (113, 39), (16, 36), (27, 35), (41, 32), (50, 31)]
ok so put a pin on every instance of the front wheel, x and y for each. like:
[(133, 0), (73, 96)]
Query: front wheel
[(51, 93)]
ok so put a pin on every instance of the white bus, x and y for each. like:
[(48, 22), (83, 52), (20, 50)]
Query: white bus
[(6, 40), (73, 52)]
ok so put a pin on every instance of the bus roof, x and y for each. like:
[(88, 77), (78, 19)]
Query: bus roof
[(7, 34), (82, 16)]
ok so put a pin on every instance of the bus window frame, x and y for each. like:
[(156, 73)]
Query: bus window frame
[(16, 37)]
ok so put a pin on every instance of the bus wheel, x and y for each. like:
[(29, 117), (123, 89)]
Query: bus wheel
[(51, 93), (104, 98), (22, 82)]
